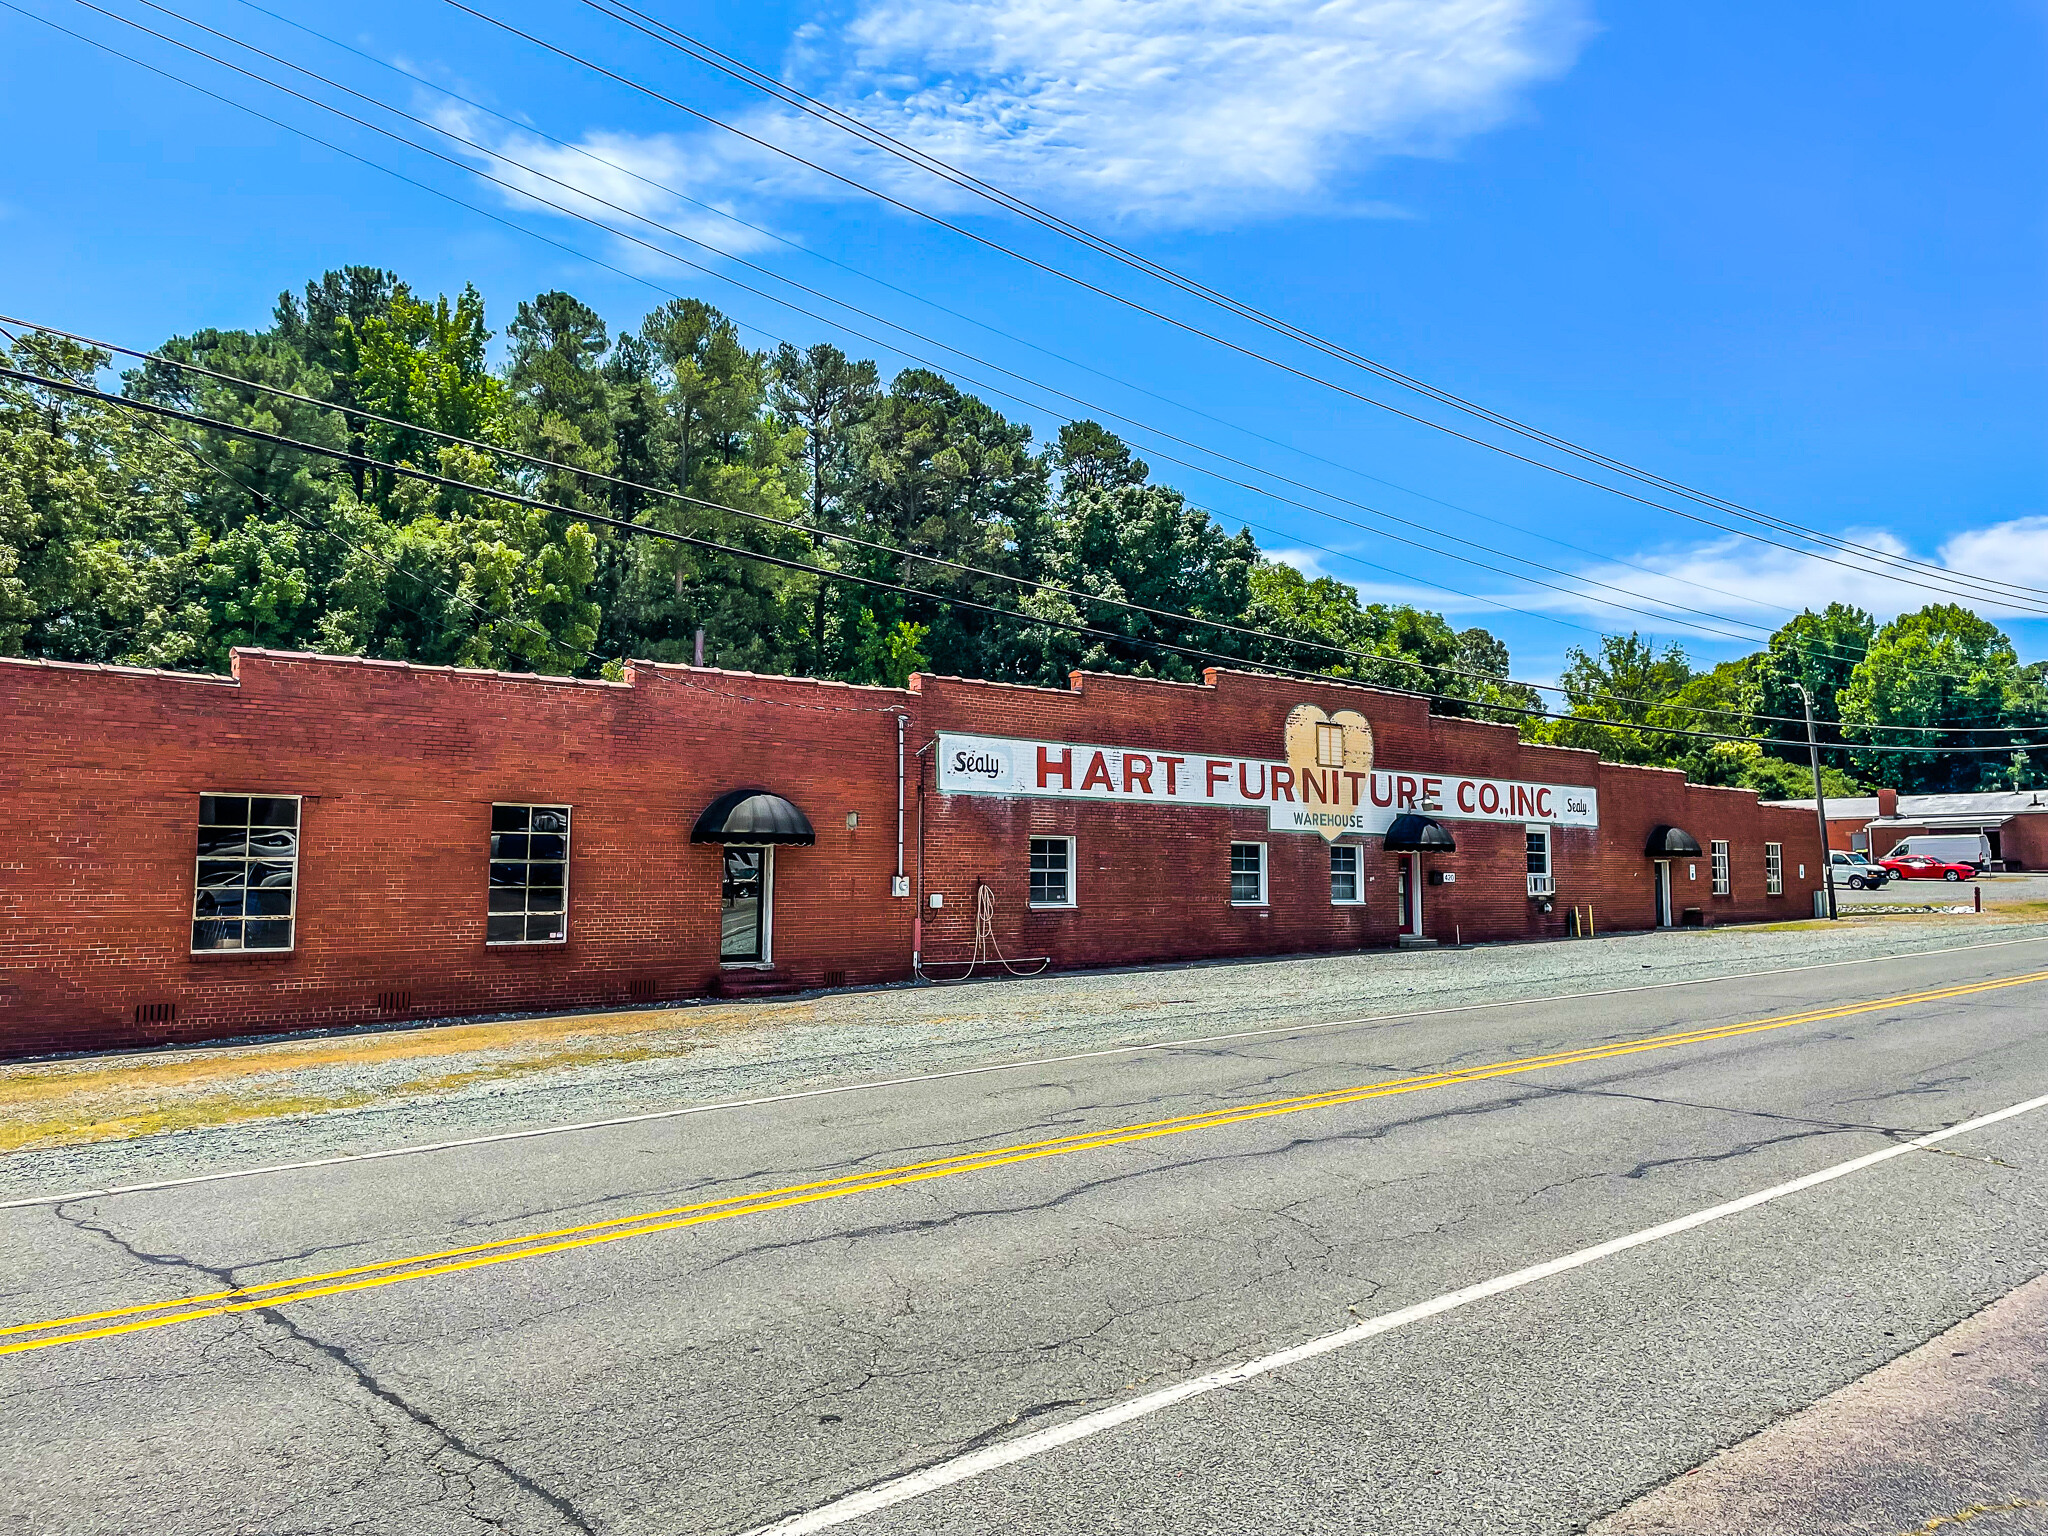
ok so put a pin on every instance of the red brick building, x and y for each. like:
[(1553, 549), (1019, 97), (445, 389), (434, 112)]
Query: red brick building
[(321, 840)]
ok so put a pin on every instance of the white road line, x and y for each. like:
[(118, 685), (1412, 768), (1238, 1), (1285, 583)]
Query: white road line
[(341, 1158), (915, 1485)]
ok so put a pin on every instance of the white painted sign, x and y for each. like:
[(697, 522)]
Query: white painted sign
[(1329, 792)]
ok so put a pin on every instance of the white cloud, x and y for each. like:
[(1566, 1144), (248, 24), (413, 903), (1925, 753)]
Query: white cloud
[(665, 179), (1184, 111), (1757, 582), (1166, 112), (1674, 591), (2014, 552)]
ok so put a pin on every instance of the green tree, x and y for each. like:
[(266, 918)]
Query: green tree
[(940, 473), (828, 397), (1820, 650), (1942, 666), (1626, 679)]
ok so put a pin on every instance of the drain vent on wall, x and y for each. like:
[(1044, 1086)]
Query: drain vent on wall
[(394, 1002), (156, 1013), (835, 978), (641, 991)]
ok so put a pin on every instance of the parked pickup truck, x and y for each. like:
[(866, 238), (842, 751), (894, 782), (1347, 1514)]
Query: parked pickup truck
[(1856, 871)]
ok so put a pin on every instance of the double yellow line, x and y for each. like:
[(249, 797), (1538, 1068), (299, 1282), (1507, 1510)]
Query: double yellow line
[(23, 1337)]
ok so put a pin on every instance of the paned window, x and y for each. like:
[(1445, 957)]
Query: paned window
[(1052, 872), (1329, 746), (1719, 849), (245, 892), (1343, 873), (1248, 874), (1774, 869), (529, 901), (1539, 850)]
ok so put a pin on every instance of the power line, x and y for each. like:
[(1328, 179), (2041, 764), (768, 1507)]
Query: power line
[(765, 232), (618, 482), (638, 278), (683, 42), (1259, 490), (1662, 614), (654, 31), (599, 519)]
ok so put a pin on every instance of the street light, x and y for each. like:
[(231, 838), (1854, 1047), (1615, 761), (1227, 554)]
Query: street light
[(1820, 803)]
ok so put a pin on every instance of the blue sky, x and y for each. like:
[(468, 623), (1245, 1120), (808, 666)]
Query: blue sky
[(1788, 255)]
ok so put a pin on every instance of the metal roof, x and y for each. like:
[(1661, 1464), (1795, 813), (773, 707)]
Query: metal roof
[(1992, 805)]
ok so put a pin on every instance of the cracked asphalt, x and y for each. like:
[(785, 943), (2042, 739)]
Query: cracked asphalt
[(717, 1376)]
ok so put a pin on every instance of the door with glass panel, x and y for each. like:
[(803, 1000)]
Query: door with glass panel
[(744, 906)]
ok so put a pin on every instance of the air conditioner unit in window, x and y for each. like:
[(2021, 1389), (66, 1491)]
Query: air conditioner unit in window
[(1542, 885)]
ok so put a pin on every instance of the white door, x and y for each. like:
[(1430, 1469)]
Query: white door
[(1663, 893)]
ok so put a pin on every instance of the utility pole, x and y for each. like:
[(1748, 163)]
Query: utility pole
[(1820, 803)]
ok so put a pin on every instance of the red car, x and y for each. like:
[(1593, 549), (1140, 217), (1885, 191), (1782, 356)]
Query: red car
[(1924, 866)]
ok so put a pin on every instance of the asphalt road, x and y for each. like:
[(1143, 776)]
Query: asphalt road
[(979, 1264)]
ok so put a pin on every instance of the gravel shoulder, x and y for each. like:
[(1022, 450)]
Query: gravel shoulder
[(91, 1121)]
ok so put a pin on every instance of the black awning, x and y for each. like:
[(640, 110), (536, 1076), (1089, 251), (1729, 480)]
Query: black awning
[(1419, 834), (1672, 842), (752, 816)]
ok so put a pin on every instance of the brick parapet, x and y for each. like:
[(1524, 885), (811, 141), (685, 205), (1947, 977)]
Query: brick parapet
[(399, 764)]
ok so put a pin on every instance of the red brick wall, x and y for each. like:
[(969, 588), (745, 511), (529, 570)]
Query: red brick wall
[(399, 766), (1152, 881)]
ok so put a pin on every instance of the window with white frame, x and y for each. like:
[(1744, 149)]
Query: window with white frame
[(1536, 840), (1774, 869), (246, 882), (1247, 874), (1344, 874), (529, 893), (1719, 848), (1052, 872)]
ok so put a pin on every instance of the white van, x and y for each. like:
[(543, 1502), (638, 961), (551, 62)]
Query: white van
[(1953, 847)]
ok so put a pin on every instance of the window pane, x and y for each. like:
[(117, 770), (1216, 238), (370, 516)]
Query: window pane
[(217, 935), (508, 900), (499, 930), (216, 842), (544, 877), (508, 818), (551, 818), (508, 875), (545, 929), (274, 842), (224, 810), (1246, 862), (219, 903), (218, 876), (267, 935), (274, 813), (508, 845), (269, 903), (273, 875), (547, 845), (544, 898)]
